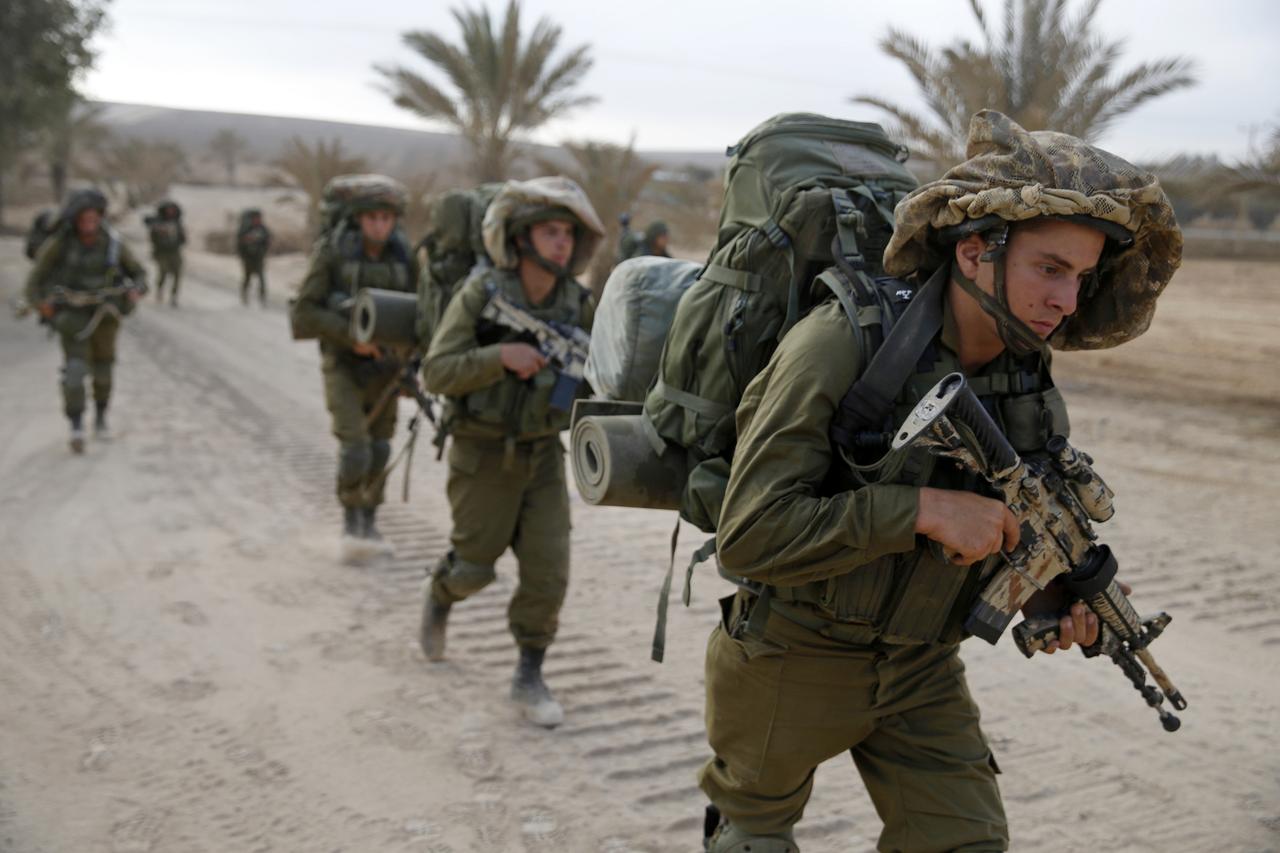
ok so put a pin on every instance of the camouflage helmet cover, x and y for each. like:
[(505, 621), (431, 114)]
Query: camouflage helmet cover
[(353, 194), (1015, 175), (521, 203)]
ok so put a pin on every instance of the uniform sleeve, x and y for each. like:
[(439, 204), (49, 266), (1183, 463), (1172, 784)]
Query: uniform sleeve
[(38, 283), (456, 364), (776, 526), (311, 309), (129, 263)]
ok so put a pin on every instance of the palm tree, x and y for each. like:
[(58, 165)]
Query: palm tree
[(310, 167), (1255, 181), (504, 85), (613, 177), (1044, 68), (229, 148)]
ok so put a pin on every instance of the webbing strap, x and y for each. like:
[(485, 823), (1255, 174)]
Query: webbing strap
[(1005, 383), (870, 399), (859, 315), (701, 405), (748, 282), (850, 225), (651, 435), (704, 552), (866, 193)]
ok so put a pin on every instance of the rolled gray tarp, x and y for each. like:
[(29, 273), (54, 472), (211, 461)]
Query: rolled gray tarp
[(387, 317), (614, 462)]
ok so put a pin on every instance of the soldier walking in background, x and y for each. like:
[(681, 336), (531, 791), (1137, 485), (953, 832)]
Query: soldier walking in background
[(253, 240), (506, 481), (84, 279), (653, 241), (848, 640), (167, 239), (362, 247)]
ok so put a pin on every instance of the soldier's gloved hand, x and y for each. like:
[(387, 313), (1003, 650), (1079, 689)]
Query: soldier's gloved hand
[(46, 310), (522, 359), (969, 527)]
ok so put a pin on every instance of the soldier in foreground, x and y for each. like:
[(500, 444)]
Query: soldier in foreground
[(851, 642), (364, 248), (506, 465), (167, 239), (253, 239), (84, 279)]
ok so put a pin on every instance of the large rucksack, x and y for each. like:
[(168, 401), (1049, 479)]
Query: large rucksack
[(803, 193), (454, 245), (42, 228)]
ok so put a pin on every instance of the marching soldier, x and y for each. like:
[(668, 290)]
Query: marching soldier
[(850, 645), (506, 464), (84, 279), (364, 248), (167, 239), (253, 240)]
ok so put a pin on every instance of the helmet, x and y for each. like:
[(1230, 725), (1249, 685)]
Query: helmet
[(168, 209), (520, 204), (656, 229), (79, 201), (1013, 175)]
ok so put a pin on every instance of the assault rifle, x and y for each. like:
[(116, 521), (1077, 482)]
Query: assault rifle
[(564, 346), (1055, 498), (99, 298)]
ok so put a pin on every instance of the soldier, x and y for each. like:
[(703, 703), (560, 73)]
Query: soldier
[(364, 249), (850, 644), (252, 242), (506, 481), (167, 239), (653, 241), (83, 280)]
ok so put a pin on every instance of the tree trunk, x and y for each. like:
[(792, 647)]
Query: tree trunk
[(58, 180)]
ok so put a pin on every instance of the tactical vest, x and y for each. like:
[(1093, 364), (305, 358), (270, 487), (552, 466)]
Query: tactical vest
[(83, 268), (514, 408), (919, 596), (353, 270), (166, 235)]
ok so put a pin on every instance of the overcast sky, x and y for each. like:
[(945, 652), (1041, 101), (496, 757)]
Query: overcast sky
[(691, 75)]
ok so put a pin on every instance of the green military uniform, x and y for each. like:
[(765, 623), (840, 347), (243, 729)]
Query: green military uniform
[(252, 243), (88, 333), (848, 638), (506, 465), (354, 384), (167, 239)]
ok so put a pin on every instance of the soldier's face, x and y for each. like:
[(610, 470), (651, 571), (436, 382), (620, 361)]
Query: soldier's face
[(660, 243), (1046, 263), (553, 240), (376, 225), (87, 222)]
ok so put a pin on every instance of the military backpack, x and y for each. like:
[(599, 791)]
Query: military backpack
[(454, 245)]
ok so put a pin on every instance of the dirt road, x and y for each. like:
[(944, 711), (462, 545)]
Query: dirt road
[(184, 665)]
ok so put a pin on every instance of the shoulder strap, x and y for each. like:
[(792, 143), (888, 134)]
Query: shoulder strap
[(870, 399)]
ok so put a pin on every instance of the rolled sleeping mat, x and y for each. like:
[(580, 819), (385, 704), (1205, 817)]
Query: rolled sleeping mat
[(614, 464), (386, 317)]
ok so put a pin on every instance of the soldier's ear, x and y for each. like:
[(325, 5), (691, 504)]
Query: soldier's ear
[(968, 254)]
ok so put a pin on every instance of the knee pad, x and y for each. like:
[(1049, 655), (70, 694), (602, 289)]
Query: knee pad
[(353, 463), (730, 839), (379, 453), (461, 578), (74, 372)]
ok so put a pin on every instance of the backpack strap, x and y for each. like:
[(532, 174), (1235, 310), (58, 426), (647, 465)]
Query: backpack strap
[(870, 399)]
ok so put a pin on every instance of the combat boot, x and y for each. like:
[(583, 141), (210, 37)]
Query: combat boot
[(369, 529), (352, 526), (77, 435), (730, 839), (100, 429), (435, 617), (530, 692)]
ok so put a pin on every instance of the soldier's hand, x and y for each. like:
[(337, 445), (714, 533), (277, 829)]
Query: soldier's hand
[(969, 527), (366, 350), (46, 310), (522, 359), (1078, 625)]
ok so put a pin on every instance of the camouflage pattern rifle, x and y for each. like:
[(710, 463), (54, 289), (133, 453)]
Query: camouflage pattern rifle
[(564, 346), (1055, 497)]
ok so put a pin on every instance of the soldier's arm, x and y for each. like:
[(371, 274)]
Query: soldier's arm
[(775, 525), (311, 309), (38, 278), (456, 364)]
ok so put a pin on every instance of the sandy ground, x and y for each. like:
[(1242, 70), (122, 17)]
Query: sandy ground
[(184, 665)]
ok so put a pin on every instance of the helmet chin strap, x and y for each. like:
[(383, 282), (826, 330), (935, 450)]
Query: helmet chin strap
[(525, 250), (1019, 338)]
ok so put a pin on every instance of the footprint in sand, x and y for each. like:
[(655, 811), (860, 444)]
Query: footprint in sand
[(186, 689), (136, 833), (187, 612)]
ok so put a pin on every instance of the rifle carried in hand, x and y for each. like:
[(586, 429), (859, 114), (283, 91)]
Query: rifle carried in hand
[(564, 346), (1055, 497)]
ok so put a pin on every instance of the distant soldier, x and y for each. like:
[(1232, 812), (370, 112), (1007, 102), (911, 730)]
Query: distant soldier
[(83, 280), (653, 241), (362, 248), (252, 242), (167, 239), (506, 465)]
